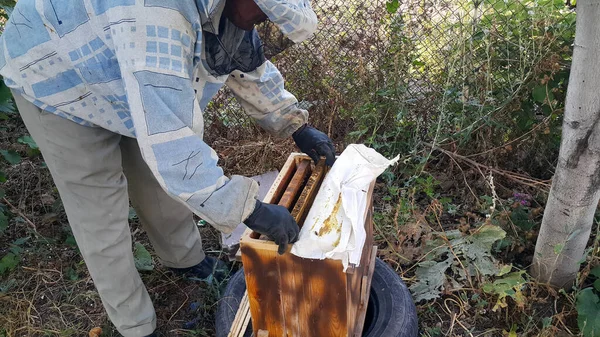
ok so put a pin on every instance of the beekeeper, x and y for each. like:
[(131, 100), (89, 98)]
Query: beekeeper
[(113, 91)]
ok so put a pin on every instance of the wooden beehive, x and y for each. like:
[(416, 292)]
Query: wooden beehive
[(289, 296)]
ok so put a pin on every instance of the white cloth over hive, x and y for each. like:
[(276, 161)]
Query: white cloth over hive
[(334, 227)]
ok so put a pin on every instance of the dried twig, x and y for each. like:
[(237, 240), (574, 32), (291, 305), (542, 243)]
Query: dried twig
[(465, 179), (512, 141), (522, 179), (18, 212)]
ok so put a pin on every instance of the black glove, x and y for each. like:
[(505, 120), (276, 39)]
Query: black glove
[(276, 222), (315, 144)]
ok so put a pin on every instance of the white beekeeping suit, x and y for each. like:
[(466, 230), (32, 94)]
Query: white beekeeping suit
[(134, 66), (113, 93)]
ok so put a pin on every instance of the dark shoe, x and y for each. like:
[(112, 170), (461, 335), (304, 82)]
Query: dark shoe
[(205, 269)]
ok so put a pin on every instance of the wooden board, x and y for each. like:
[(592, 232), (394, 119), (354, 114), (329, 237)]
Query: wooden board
[(294, 328), (309, 193), (355, 276), (264, 289), (282, 181), (243, 310), (242, 318), (365, 294), (311, 288), (296, 185)]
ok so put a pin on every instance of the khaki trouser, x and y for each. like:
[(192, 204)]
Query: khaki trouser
[(96, 172)]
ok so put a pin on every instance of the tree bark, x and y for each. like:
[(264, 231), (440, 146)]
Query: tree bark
[(575, 189)]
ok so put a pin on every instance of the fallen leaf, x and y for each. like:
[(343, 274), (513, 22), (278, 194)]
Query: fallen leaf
[(477, 248), (411, 237), (95, 332), (431, 277), (47, 199), (49, 218), (588, 305), (508, 286), (142, 258)]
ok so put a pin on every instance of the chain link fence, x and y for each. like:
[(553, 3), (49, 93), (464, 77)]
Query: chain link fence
[(442, 67)]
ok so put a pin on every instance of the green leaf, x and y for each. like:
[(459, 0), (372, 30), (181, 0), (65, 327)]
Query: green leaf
[(8, 263), (392, 6), (513, 331), (27, 140), (558, 248), (11, 156), (3, 222), (15, 249), (508, 286), (33, 152), (539, 93), (520, 217), (2, 193), (574, 234), (477, 248), (418, 63), (142, 258), (595, 271), (546, 322), (505, 270), (5, 93), (7, 107), (70, 241), (2, 177), (6, 287), (478, 36), (21, 241), (132, 214), (588, 308), (597, 285), (9, 4), (431, 276), (72, 274)]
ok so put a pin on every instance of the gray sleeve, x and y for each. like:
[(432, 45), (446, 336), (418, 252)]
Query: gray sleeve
[(263, 96), (168, 120)]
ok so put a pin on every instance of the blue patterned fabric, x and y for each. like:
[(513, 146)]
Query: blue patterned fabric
[(295, 18), (147, 69)]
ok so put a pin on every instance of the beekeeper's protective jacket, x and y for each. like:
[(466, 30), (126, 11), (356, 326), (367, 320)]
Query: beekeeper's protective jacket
[(147, 69)]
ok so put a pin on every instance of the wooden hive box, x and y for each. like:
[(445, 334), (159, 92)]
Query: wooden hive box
[(291, 296)]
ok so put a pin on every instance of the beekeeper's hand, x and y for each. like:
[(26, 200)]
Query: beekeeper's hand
[(315, 144), (276, 222)]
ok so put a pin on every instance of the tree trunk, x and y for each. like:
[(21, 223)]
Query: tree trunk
[(575, 189)]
